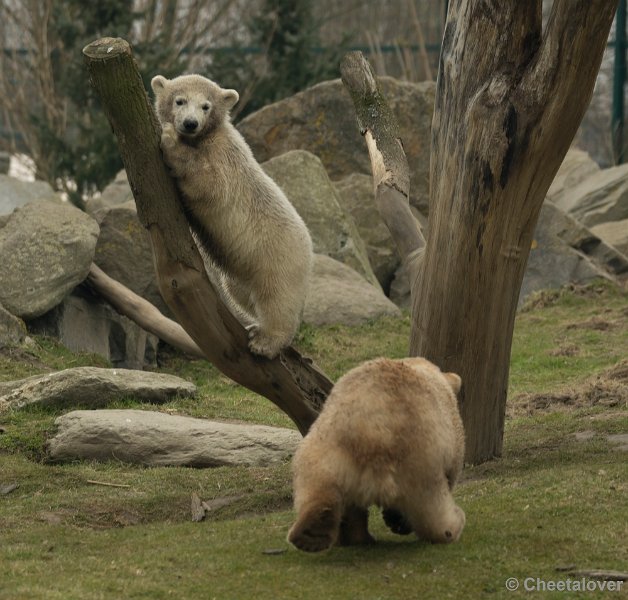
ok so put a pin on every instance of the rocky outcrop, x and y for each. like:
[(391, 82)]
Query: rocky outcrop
[(356, 196), (83, 323), (304, 180), (92, 386), (46, 251), (565, 251), (157, 439), (321, 119), (339, 295)]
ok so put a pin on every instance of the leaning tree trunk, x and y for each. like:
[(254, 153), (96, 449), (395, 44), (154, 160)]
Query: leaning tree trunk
[(509, 100)]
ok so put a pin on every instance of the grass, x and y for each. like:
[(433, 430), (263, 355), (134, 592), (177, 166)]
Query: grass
[(550, 502)]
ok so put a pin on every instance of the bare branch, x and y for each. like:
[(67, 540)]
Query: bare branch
[(391, 176)]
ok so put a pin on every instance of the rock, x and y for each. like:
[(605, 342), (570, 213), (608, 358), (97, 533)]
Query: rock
[(92, 386), (83, 323), (115, 194), (356, 196), (614, 233), (5, 164), (338, 294), (322, 120), (124, 252), (576, 167), (564, 251), (46, 251), (12, 329), (303, 179), (15, 193), (600, 198), (157, 439), (399, 292)]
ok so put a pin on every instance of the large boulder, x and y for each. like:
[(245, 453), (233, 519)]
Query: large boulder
[(322, 120), (563, 251), (305, 182), (15, 193), (12, 329), (356, 196), (124, 252), (157, 439), (46, 251), (83, 323), (599, 198), (92, 386), (339, 295), (614, 233)]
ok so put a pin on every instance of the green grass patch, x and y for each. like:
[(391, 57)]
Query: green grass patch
[(554, 500)]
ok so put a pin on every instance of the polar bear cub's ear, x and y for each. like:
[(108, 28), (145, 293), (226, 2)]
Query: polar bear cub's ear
[(229, 97), (454, 381), (158, 83)]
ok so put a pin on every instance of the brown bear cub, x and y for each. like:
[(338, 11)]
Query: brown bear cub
[(389, 434)]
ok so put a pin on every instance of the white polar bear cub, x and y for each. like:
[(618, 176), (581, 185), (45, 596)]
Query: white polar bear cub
[(242, 220), (389, 434)]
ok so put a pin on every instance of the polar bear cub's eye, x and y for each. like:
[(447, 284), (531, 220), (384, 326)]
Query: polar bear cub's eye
[(206, 106), (179, 101)]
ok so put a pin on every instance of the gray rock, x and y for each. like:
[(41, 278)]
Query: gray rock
[(15, 193), (339, 295), (115, 194), (600, 198), (304, 180), (86, 324), (5, 163), (564, 251), (157, 439), (614, 233), (12, 329), (92, 386), (46, 251), (399, 291), (322, 120), (356, 196), (576, 167), (124, 252)]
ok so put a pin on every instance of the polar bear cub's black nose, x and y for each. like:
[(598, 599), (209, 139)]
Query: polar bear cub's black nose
[(190, 124)]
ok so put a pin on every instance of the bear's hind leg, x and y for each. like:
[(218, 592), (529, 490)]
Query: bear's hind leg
[(318, 522)]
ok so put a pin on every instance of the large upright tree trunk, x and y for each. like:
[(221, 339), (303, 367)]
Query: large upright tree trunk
[(509, 100)]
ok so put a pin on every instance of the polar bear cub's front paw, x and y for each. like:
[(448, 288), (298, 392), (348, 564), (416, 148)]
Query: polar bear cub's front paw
[(263, 343)]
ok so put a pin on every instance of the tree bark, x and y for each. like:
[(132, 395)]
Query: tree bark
[(292, 382), (141, 311), (509, 101)]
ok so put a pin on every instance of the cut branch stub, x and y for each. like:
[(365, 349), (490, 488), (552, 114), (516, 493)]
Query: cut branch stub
[(389, 164), (292, 382)]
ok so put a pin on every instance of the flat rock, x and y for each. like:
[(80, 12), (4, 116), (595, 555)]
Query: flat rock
[(339, 295), (15, 193), (321, 119), (92, 386), (157, 439), (303, 178), (614, 233), (46, 251)]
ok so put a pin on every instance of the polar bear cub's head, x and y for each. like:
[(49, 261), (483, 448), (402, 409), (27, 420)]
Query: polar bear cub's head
[(194, 104)]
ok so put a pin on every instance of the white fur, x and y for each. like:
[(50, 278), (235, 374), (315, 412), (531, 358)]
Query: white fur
[(243, 220)]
